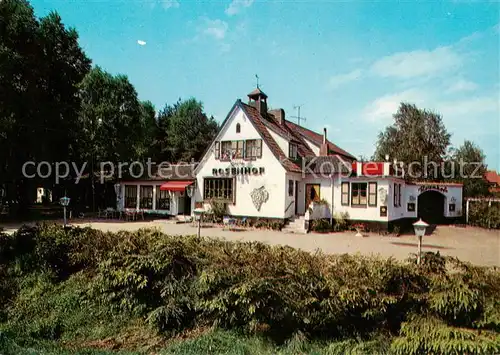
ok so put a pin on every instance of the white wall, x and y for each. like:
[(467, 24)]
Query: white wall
[(273, 178), (311, 145), (368, 213), (282, 142)]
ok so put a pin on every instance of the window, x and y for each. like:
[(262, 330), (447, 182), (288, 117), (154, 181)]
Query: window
[(219, 189), (253, 148), (345, 194), (130, 196), (358, 194), (372, 194), (397, 195), (231, 149), (162, 199), (292, 153), (290, 187), (238, 128), (146, 197)]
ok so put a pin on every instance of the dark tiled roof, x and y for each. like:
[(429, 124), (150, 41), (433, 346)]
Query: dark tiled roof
[(303, 149), (255, 117), (317, 139), (327, 165), (257, 92)]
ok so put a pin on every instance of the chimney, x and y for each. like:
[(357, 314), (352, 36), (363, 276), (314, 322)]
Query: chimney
[(323, 150), (279, 115)]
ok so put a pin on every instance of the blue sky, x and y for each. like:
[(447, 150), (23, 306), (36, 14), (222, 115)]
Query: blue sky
[(348, 63)]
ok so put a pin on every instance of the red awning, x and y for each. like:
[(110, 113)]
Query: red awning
[(175, 185)]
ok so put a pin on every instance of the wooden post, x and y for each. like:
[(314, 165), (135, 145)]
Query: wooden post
[(419, 255), (489, 219), (467, 212), (199, 225)]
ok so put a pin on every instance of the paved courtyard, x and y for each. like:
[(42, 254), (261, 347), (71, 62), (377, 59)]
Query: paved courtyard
[(476, 245)]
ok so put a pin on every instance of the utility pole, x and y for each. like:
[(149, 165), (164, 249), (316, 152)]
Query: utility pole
[(297, 107)]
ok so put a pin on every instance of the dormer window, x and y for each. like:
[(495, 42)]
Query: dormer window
[(292, 151), (238, 128)]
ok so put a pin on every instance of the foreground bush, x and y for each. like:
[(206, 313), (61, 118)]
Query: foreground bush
[(82, 287)]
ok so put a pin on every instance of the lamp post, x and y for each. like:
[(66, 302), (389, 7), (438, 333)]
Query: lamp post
[(64, 201), (198, 212), (420, 227), (189, 193)]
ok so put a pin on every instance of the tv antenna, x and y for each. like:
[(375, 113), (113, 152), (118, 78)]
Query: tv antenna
[(297, 107)]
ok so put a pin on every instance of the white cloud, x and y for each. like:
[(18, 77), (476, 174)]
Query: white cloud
[(469, 107), (385, 106), (141, 43), (216, 28), (462, 85), (338, 80), (237, 5), (167, 4), (406, 65)]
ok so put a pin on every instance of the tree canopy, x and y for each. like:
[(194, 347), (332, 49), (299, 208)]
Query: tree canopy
[(55, 107), (416, 135)]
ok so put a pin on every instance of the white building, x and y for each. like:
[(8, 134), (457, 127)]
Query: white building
[(164, 193), (263, 166)]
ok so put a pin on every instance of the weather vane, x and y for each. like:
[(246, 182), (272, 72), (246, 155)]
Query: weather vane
[(257, 80)]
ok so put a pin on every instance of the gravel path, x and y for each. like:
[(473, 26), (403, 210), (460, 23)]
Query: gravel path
[(476, 245)]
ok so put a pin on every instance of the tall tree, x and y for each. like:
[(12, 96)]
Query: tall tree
[(185, 131), (41, 63), (417, 135), (147, 148), (468, 166), (110, 117)]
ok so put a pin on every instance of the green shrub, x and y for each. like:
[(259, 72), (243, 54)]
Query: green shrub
[(482, 215), (321, 225), (79, 284)]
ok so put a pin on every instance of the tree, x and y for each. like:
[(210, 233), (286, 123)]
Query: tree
[(416, 136), (147, 148), (468, 167), (184, 131), (41, 63), (111, 118)]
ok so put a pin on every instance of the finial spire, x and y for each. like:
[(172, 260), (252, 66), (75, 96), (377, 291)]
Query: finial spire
[(256, 76)]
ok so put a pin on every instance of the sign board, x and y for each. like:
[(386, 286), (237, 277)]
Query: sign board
[(238, 171), (438, 188)]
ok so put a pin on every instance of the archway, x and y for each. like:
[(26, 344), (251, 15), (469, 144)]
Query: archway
[(431, 207)]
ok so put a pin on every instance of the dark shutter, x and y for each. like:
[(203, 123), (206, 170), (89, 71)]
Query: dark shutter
[(217, 150)]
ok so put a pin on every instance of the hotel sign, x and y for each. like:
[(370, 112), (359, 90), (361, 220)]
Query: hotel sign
[(439, 188), (238, 171)]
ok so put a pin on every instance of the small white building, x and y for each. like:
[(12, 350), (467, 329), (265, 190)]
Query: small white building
[(261, 165), (165, 193)]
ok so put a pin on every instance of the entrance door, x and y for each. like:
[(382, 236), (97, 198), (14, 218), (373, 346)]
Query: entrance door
[(187, 204), (312, 194), (431, 207)]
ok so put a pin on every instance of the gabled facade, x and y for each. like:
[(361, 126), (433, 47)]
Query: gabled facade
[(257, 165), (260, 165)]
